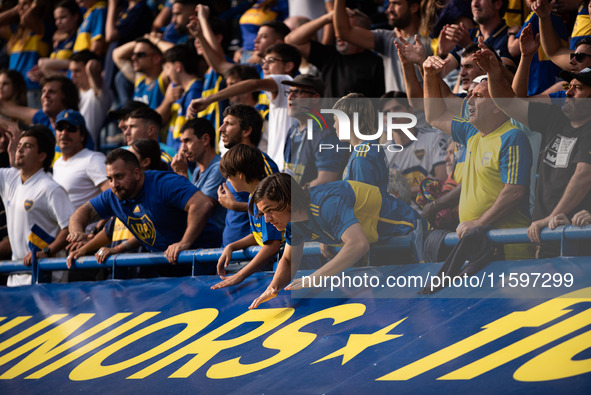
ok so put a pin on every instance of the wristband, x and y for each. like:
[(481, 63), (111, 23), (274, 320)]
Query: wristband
[(120, 246)]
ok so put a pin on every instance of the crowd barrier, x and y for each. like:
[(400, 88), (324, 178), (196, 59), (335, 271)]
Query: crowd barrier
[(568, 236)]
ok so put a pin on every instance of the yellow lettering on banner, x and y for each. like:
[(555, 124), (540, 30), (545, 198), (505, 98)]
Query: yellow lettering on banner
[(92, 367), (534, 317), (521, 347), (77, 353), (206, 347), (557, 363), (30, 331), (12, 323), (288, 340), (45, 342), (50, 348)]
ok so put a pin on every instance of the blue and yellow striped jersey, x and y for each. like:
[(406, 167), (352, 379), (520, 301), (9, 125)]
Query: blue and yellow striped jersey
[(178, 113), (92, 27), (368, 164), (501, 157), (335, 206), (151, 93)]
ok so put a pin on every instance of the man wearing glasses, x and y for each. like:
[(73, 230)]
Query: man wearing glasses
[(305, 159), (140, 62)]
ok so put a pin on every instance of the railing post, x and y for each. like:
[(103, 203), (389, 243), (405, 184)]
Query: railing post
[(113, 266), (193, 263), (34, 265), (568, 247)]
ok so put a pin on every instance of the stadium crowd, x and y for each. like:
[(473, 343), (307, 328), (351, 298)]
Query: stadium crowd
[(204, 108)]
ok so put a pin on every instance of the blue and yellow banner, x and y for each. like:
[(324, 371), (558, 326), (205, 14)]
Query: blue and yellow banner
[(178, 335)]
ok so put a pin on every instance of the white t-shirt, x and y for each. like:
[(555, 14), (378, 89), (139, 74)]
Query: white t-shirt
[(39, 201), (418, 159), (94, 110), (81, 175), (279, 121)]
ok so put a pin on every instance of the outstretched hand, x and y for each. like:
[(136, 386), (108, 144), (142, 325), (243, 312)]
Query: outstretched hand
[(528, 44), (228, 281), (414, 53), (269, 294), (486, 59)]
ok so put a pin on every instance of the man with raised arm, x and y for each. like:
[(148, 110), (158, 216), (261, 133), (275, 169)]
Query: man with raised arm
[(564, 180), (345, 67), (403, 15), (496, 175)]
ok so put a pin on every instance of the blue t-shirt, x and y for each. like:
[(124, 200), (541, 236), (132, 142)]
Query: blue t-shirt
[(208, 182), (368, 164), (542, 72), (172, 35), (150, 93), (156, 215), (237, 223), (304, 158), (335, 206)]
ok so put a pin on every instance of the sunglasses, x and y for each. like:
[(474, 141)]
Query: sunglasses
[(299, 92), (66, 127), (139, 55), (579, 56)]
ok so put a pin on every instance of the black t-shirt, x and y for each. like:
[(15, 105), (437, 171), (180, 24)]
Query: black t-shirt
[(564, 147), (344, 74)]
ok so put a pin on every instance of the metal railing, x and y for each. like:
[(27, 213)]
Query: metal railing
[(566, 235)]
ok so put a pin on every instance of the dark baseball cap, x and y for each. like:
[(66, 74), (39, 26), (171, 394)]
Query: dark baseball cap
[(584, 76), (126, 109), (307, 81)]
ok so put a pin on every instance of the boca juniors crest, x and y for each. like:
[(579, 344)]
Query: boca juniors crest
[(142, 228), (28, 205)]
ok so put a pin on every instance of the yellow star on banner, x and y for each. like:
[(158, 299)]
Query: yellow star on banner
[(359, 342)]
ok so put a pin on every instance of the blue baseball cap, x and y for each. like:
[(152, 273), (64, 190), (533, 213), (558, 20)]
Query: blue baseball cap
[(72, 117)]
